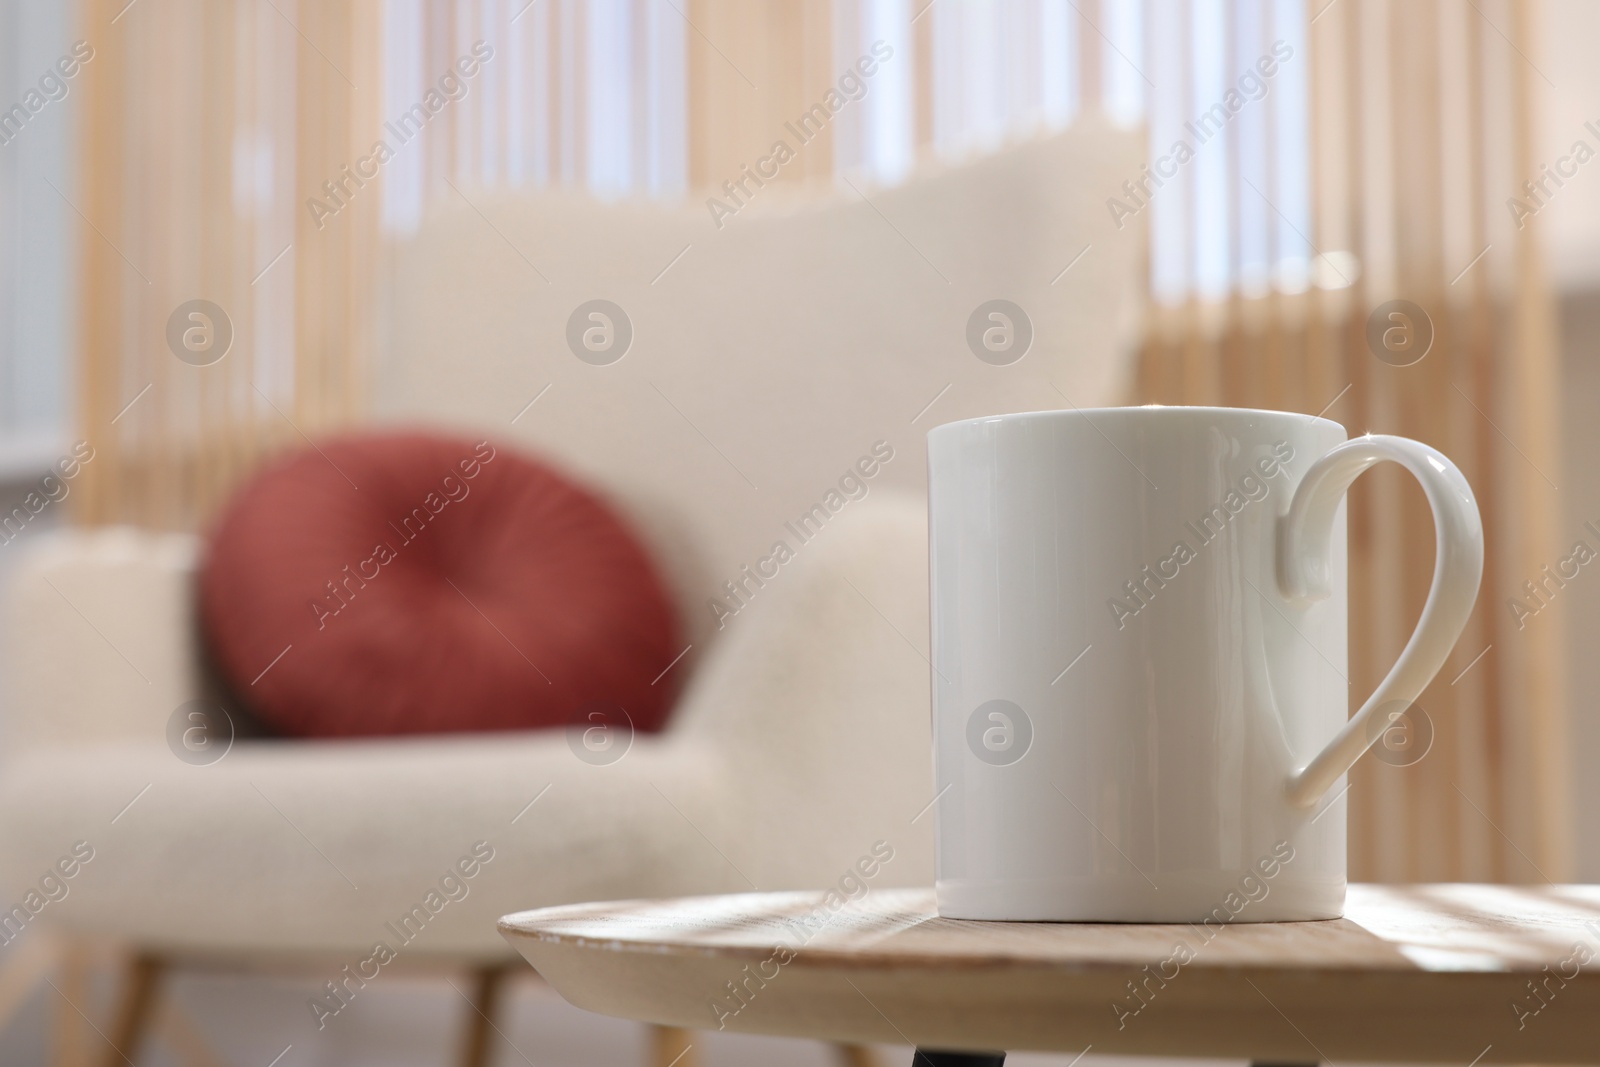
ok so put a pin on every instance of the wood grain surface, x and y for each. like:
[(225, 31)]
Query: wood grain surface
[(1434, 973)]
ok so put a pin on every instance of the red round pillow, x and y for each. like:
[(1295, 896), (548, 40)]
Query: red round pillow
[(391, 583)]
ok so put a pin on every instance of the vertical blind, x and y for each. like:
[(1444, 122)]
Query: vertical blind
[(593, 94), (578, 93), (1420, 121)]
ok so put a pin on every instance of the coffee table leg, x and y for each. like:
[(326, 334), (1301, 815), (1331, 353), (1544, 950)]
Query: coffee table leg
[(924, 1057)]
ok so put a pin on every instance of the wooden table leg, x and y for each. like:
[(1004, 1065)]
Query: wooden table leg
[(855, 1056), (929, 1058), (672, 1046), (486, 982)]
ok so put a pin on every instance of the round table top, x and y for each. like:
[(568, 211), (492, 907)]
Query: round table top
[(1437, 973)]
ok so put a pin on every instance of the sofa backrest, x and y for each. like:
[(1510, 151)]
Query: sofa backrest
[(785, 357)]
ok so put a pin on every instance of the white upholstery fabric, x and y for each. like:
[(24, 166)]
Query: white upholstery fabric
[(801, 742), (776, 350), (101, 636)]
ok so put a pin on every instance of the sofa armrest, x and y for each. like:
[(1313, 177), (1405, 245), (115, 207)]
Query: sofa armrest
[(101, 637), (816, 702)]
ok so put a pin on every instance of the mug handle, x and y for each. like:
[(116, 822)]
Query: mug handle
[(1304, 532)]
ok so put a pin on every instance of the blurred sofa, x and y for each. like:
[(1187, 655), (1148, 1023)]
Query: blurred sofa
[(767, 358)]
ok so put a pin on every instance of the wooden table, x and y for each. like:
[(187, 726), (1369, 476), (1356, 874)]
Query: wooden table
[(1470, 974)]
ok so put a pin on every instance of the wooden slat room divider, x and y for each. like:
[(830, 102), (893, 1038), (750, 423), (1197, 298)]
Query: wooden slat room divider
[(205, 124), (738, 106), (1422, 122), (210, 127)]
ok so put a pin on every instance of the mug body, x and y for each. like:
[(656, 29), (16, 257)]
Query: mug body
[(1121, 692)]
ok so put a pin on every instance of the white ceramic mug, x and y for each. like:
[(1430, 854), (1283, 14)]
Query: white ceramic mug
[(1139, 678)]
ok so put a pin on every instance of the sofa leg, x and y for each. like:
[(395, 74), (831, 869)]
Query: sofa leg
[(140, 981), (23, 970), (855, 1056), (486, 983), (672, 1046), (69, 1040)]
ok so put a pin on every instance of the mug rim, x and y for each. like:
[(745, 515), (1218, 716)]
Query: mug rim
[(1124, 410)]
